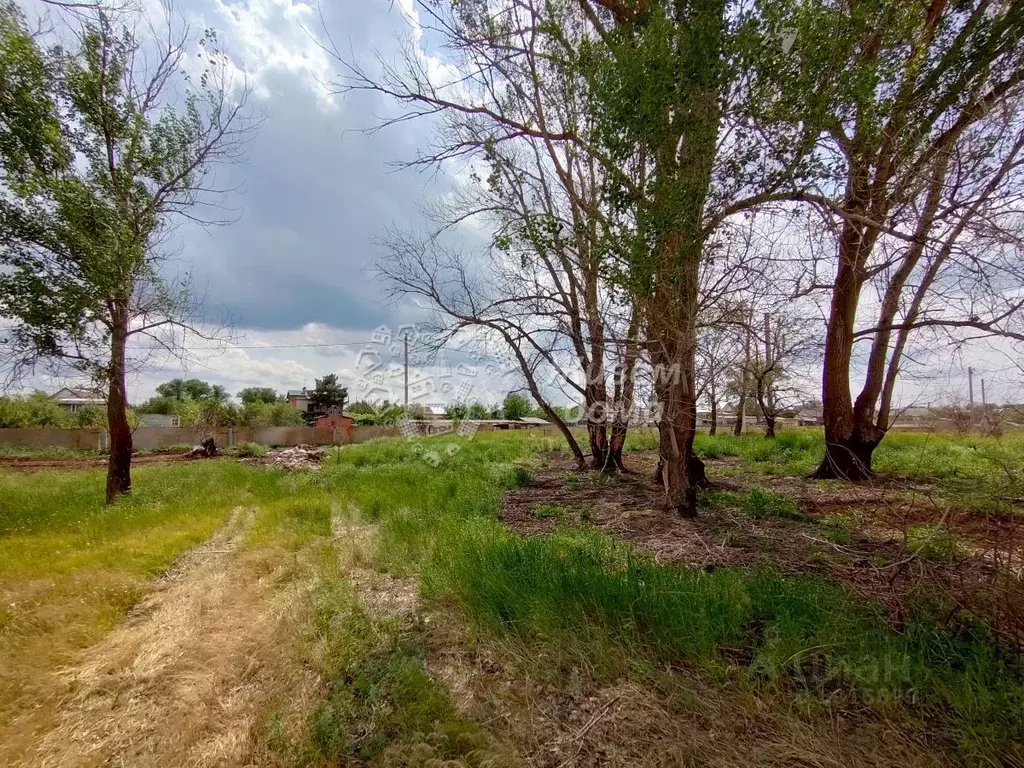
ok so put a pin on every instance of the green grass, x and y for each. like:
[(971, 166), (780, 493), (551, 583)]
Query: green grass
[(837, 528), (588, 601), (49, 452), (763, 503), (933, 542), (382, 705), (578, 598)]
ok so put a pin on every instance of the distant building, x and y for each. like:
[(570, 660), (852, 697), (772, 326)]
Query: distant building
[(74, 398), (333, 419), (300, 399), (159, 420), (809, 416), (915, 414)]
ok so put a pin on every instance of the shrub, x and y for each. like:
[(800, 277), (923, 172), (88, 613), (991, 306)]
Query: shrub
[(519, 476)]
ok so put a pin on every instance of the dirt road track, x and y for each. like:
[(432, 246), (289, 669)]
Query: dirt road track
[(191, 676)]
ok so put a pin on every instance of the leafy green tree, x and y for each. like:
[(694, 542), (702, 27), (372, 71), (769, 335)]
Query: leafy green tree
[(167, 406), (37, 410), (251, 395), (516, 406), (478, 411), (328, 393), (456, 411), (96, 163), (191, 389)]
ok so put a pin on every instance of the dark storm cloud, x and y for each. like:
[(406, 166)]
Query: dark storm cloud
[(313, 195)]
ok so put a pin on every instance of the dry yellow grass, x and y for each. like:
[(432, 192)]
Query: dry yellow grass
[(192, 675)]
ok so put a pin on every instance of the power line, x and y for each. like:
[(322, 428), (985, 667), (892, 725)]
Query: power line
[(308, 346)]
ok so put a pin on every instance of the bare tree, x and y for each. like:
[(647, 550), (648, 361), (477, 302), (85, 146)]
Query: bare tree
[(786, 343), (666, 184)]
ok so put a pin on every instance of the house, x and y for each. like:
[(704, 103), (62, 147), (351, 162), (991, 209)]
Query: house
[(74, 398), (300, 399), (914, 414), (159, 420), (810, 416), (333, 419)]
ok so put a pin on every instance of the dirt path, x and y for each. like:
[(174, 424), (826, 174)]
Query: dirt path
[(192, 675), (33, 464)]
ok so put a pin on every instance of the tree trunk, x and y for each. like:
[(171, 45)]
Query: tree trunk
[(848, 457), (713, 429), (741, 407), (675, 387), (119, 463), (769, 427), (849, 440), (737, 427), (597, 434)]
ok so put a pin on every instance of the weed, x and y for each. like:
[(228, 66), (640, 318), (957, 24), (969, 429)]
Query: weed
[(717, 500), (836, 529), (933, 542), (249, 450), (550, 510), (573, 482), (519, 476), (762, 503)]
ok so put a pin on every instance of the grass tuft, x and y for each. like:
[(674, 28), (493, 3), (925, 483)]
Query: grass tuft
[(763, 503)]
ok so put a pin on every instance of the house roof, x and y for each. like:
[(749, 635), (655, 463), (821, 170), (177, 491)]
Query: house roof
[(299, 392), (78, 395), (533, 420)]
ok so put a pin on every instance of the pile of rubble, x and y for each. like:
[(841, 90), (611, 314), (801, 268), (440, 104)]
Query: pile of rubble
[(299, 457), (205, 450)]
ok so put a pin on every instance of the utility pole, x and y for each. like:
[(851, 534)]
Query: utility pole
[(406, 376), (983, 403), (970, 386)]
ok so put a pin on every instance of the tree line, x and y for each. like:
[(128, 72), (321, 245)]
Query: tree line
[(836, 182)]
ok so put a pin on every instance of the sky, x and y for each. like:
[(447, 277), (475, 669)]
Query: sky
[(292, 269)]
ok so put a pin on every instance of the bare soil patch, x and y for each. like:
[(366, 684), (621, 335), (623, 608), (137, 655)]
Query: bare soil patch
[(982, 577), (31, 464)]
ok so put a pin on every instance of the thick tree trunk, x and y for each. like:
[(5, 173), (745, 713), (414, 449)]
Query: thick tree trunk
[(119, 463), (850, 437), (849, 457), (615, 447), (697, 469), (597, 434), (675, 386)]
